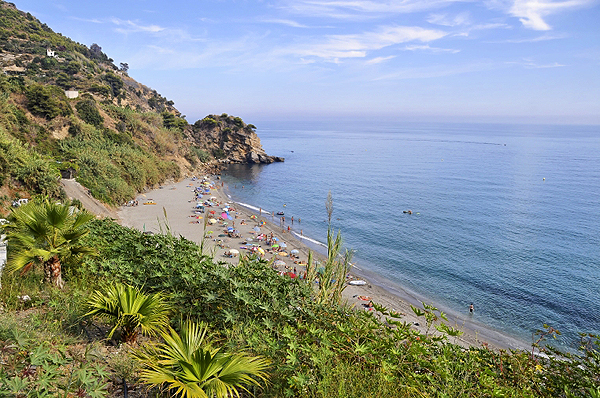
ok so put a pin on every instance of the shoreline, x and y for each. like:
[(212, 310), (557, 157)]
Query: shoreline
[(176, 200)]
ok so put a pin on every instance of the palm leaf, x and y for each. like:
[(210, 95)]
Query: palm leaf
[(188, 366)]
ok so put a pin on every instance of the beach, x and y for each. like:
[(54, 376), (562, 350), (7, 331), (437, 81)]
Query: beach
[(173, 208)]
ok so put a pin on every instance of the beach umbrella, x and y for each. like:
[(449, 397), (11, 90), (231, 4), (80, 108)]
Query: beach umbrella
[(212, 212), (248, 239), (284, 254), (222, 235), (256, 229), (209, 232), (283, 245), (234, 251), (230, 228), (294, 251), (261, 251), (279, 263), (212, 221), (224, 215), (275, 239), (229, 217), (253, 217), (275, 246)]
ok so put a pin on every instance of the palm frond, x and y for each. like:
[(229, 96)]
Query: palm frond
[(188, 366)]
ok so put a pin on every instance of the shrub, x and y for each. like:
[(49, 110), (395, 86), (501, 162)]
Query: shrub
[(47, 101), (88, 112)]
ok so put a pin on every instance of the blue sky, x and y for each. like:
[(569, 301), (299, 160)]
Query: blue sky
[(534, 61)]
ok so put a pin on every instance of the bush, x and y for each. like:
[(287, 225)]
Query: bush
[(47, 101), (88, 112)]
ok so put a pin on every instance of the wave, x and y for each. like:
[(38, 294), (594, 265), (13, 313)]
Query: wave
[(256, 209), (303, 237)]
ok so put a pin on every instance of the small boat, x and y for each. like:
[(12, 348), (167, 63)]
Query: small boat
[(357, 283), (280, 213)]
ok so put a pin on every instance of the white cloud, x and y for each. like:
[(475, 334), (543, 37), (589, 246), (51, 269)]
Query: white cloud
[(379, 60), (530, 64), (431, 49), (532, 13), (443, 19), (286, 22), (357, 45), (536, 39), (353, 9), (130, 26), (436, 71)]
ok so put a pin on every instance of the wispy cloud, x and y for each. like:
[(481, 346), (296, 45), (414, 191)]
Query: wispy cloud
[(430, 49), (353, 9), (536, 39), (530, 64), (443, 19), (436, 71), (379, 60), (87, 20), (532, 13), (129, 26), (357, 45), (287, 22)]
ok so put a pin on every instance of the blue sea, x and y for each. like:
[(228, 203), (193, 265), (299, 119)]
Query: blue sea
[(506, 217)]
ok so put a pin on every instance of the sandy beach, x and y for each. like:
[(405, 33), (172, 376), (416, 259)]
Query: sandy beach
[(252, 230)]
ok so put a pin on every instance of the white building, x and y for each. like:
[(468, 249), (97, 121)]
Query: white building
[(72, 94), (49, 52)]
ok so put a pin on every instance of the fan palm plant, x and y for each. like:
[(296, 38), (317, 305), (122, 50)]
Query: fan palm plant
[(130, 309), (189, 367), (42, 232)]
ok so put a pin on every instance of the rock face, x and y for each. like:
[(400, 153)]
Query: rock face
[(230, 140)]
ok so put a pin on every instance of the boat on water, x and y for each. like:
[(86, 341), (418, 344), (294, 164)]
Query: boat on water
[(280, 213)]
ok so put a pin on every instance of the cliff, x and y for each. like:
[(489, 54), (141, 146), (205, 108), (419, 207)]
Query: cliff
[(230, 139), (65, 106)]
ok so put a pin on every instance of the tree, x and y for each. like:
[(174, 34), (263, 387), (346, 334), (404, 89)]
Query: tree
[(88, 112), (124, 67), (190, 367), (47, 101), (130, 309), (46, 233)]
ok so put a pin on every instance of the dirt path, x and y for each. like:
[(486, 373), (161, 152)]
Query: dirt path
[(75, 190)]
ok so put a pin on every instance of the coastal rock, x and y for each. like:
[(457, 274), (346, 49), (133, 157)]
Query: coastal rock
[(230, 140)]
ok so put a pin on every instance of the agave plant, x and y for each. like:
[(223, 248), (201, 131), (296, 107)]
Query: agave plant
[(189, 367), (130, 309)]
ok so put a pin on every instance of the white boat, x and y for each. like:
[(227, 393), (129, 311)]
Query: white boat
[(357, 283)]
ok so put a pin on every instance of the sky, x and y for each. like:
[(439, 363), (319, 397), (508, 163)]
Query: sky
[(525, 61)]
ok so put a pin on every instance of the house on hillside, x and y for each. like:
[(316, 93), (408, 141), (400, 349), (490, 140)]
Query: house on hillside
[(72, 93), (50, 53)]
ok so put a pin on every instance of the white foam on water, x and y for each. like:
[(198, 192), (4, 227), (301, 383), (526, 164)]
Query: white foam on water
[(303, 237), (256, 209)]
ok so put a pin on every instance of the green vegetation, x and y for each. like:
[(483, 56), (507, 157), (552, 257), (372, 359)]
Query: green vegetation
[(188, 366), (88, 112), (315, 349), (47, 101), (46, 233), (129, 309)]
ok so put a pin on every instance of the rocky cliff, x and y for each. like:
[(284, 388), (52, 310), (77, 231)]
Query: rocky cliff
[(230, 140), (67, 106)]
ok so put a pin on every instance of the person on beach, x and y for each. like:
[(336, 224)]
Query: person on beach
[(471, 308)]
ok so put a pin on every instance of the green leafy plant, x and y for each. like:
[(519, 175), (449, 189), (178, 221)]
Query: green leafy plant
[(131, 310), (189, 366), (46, 232)]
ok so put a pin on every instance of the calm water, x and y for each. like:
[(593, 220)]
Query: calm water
[(506, 217)]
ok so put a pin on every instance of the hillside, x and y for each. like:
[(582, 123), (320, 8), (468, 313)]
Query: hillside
[(66, 107)]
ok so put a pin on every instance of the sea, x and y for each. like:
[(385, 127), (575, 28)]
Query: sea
[(504, 217)]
